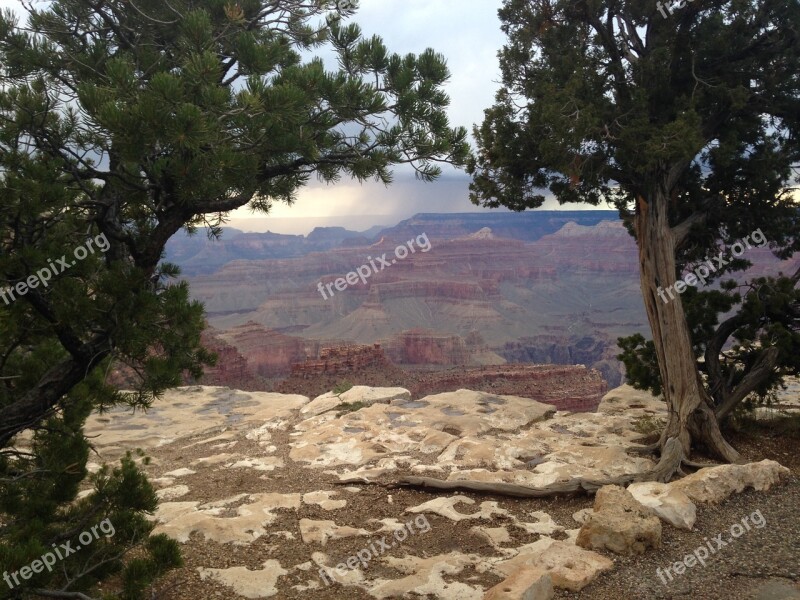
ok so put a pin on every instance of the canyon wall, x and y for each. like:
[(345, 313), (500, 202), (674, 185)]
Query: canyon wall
[(561, 292), (573, 388), (268, 352)]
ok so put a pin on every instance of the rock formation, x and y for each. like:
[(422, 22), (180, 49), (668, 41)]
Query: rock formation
[(619, 523), (572, 388), (341, 360), (561, 293), (270, 495), (269, 353)]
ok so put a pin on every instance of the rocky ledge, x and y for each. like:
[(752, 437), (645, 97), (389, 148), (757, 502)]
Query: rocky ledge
[(282, 496)]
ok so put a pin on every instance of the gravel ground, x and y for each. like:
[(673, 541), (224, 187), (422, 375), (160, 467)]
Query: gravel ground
[(760, 564), (760, 556), (763, 563)]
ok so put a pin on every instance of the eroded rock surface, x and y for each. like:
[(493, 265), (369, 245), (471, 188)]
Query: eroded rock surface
[(715, 484), (619, 523), (569, 566), (265, 491), (668, 502), (528, 584), (360, 395)]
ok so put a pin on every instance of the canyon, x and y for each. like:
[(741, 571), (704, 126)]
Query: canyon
[(550, 287)]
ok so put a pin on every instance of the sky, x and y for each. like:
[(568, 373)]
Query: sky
[(467, 33)]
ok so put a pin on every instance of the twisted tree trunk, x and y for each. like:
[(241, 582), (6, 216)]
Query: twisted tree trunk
[(691, 413)]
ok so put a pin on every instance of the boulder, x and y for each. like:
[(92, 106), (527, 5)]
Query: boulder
[(620, 524), (527, 584), (668, 503), (581, 516), (715, 484)]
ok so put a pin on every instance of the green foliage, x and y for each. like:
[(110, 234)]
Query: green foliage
[(41, 501), (349, 407), (123, 124), (163, 554), (603, 100), (641, 363), (694, 118), (765, 317), (342, 387)]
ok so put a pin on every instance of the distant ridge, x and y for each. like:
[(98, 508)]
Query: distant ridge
[(197, 255), (528, 226)]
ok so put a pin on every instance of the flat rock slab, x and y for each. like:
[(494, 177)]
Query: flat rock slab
[(426, 577), (249, 488), (629, 401), (183, 412), (776, 590), (247, 523), (570, 567), (319, 532), (247, 583), (360, 395)]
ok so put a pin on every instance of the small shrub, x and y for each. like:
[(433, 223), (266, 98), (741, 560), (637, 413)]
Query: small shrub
[(342, 387), (648, 425), (349, 407), (781, 424)]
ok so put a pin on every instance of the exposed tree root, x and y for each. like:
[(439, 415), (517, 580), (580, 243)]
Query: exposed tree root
[(644, 450), (705, 430), (671, 459), (698, 465)]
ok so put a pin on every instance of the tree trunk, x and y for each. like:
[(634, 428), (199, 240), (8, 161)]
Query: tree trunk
[(691, 414)]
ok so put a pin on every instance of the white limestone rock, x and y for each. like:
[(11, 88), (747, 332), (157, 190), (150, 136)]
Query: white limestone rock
[(715, 484), (668, 503)]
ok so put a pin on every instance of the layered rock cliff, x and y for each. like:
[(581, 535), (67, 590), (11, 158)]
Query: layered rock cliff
[(563, 298)]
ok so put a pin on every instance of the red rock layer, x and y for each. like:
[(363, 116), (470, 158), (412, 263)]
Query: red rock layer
[(342, 359), (573, 388), (268, 352), (419, 347)]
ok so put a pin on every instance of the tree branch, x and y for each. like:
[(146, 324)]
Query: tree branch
[(43, 397), (759, 372), (680, 232)]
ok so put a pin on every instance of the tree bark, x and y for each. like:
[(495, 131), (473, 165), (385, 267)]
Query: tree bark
[(691, 414)]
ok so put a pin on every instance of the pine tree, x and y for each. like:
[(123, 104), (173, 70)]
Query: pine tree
[(120, 124)]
